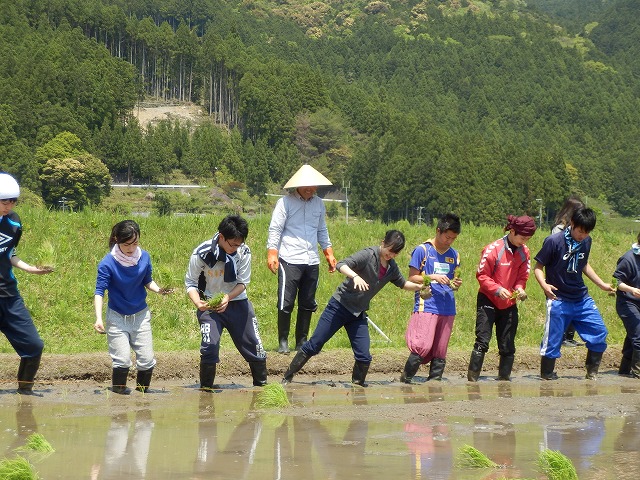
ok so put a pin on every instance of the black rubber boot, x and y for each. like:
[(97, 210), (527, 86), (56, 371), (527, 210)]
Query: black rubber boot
[(546, 368), (27, 373), (475, 365), (635, 364), (284, 323), (302, 327), (296, 364), (119, 381), (504, 368), (625, 366), (411, 367), (436, 368), (592, 363), (207, 376), (143, 380), (259, 373), (359, 374)]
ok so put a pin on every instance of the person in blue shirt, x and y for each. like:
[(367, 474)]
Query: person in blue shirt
[(15, 321), (560, 263), (297, 228), (127, 274), (429, 328)]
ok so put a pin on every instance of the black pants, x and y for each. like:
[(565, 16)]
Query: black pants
[(506, 322)]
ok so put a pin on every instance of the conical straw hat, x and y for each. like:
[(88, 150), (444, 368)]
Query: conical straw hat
[(307, 176)]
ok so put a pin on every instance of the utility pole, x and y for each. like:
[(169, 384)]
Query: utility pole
[(346, 199), (419, 215), (539, 200)]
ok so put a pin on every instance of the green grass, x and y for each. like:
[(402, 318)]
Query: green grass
[(556, 466), (61, 303), (18, 468), (272, 395), (471, 457)]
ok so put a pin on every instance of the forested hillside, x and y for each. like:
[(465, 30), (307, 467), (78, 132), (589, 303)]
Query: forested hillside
[(480, 107)]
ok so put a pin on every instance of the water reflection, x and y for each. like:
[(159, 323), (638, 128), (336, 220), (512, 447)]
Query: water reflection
[(194, 435), (127, 447), (431, 451)]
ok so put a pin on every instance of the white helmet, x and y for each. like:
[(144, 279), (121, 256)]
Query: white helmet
[(9, 188)]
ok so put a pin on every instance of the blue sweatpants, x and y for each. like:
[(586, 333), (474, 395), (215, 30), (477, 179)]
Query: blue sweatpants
[(333, 318), (16, 323), (586, 319)]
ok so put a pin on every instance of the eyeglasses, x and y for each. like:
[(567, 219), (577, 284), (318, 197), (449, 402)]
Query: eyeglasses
[(233, 245), (8, 201)]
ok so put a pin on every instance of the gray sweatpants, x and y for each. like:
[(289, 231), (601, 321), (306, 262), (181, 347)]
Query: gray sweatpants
[(126, 332)]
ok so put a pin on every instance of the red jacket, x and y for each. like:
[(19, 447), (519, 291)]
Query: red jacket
[(502, 268)]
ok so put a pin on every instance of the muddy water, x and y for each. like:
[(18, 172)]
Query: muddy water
[(331, 431)]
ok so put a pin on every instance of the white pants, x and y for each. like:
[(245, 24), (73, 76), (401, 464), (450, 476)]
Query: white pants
[(126, 332)]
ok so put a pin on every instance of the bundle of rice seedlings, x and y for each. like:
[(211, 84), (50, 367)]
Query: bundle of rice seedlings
[(37, 443), (18, 468), (47, 256), (272, 395), (215, 301), (456, 276), (425, 292), (556, 466), (470, 457)]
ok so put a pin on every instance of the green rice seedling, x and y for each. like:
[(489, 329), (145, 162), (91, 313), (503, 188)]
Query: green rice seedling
[(556, 466), (46, 256), (456, 276), (425, 293), (37, 443), (470, 457), (272, 395), (18, 468), (614, 284), (215, 301)]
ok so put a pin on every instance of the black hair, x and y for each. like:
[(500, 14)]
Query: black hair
[(123, 231), (584, 218), (234, 227), (449, 221), (570, 205), (394, 240)]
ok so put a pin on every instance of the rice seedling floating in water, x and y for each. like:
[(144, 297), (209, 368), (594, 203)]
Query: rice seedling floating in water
[(272, 395), (556, 466), (470, 457), (37, 443), (18, 468)]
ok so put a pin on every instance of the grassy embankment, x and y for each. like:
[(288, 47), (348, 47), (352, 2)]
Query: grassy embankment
[(62, 303)]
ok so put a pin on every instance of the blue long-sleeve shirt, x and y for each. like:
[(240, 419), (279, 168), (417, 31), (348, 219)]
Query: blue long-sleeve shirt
[(126, 285)]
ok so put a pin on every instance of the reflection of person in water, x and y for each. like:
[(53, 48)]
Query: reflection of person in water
[(580, 443), (25, 424), (311, 440), (234, 460), (431, 451), (126, 451), (498, 441)]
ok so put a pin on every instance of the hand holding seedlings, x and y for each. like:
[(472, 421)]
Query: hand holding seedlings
[(215, 301), (425, 292)]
